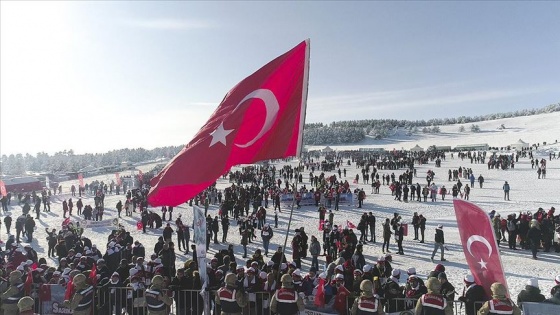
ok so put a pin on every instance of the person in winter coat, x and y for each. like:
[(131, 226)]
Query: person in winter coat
[(506, 189), (531, 293), (473, 296), (266, 235), (216, 228), (499, 304), (315, 251), (422, 224), (439, 242), (386, 235), (534, 237)]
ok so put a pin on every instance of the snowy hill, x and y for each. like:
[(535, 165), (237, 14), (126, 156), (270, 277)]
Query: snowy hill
[(528, 194)]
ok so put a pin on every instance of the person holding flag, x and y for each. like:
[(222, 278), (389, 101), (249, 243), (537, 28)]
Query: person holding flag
[(81, 301)]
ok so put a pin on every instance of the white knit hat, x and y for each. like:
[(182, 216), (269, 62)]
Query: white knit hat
[(557, 279), (534, 282)]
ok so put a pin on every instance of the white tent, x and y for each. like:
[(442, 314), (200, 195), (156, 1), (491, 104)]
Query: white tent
[(520, 145), (417, 148), (327, 149)]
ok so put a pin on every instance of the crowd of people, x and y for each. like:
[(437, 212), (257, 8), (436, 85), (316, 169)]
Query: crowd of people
[(349, 284)]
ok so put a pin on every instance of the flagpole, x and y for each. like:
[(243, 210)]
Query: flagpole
[(287, 230), (304, 97)]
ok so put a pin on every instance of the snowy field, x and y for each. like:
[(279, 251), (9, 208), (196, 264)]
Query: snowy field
[(527, 194)]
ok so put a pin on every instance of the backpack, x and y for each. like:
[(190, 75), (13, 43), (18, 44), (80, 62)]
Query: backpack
[(511, 226)]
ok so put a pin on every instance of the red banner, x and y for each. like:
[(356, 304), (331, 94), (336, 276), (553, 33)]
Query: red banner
[(260, 118), (350, 225), (81, 179), (118, 176), (3, 188), (479, 244)]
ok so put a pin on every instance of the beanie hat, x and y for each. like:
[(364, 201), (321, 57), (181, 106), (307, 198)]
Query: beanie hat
[(440, 268), (469, 279), (534, 282), (411, 271), (367, 268), (442, 275), (396, 273), (557, 279)]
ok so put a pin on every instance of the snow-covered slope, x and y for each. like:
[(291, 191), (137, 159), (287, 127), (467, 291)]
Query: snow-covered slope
[(528, 194)]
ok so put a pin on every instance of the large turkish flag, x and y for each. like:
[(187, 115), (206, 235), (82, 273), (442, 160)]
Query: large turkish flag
[(261, 118), (479, 244)]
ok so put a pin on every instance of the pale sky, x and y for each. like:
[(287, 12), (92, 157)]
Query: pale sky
[(99, 76)]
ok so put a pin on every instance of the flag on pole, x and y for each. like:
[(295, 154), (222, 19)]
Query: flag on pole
[(3, 188), (319, 300), (69, 290), (479, 244), (118, 176), (66, 221), (350, 225), (93, 275), (261, 118), (81, 179), (28, 282)]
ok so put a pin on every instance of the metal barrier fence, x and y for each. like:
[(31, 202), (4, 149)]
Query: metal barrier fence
[(126, 300), (407, 304)]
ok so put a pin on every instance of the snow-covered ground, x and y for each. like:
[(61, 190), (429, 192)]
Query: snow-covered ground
[(527, 194)]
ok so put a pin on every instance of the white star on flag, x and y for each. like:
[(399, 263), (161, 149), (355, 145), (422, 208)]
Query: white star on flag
[(219, 135), (482, 264)]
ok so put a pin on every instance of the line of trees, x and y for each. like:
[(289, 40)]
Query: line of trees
[(350, 131)]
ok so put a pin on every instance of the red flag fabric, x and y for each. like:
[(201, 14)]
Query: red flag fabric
[(479, 244), (81, 179), (93, 275), (321, 225), (3, 188), (261, 118), (139, 226), (28, 282), (350, 225), (320, 296), (69, 290), (66, 221), (118, 176)]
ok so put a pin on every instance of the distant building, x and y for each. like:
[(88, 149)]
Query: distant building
[(520, 145), (416, 148), (443, 148), (472, 147)]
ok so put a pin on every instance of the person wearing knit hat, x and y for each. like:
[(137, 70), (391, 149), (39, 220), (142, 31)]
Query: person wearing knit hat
[(439, 268), (439, 241), (556, 287), (367, 302), (472, 296), (286, 298), (447, 289), (230, 300), (433, 302), (15, 291), (26, 305), (394, 291), (500, 303), (531, 293)]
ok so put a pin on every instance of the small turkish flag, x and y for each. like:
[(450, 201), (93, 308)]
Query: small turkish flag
[(81, 179), (3, 189), (261, 118), (479, 244), (350, 225)]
